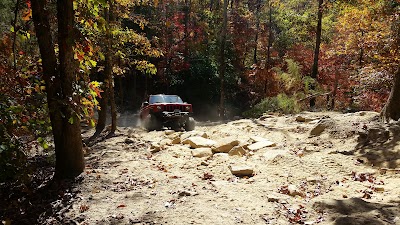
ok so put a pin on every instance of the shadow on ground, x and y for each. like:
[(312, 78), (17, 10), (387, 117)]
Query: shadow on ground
[(380, 146), (39, 201), (356, 211)]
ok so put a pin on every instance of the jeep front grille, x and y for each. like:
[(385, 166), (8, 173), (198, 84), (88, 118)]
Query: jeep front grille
[(171, 108)]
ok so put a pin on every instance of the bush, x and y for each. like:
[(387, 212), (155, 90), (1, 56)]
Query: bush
[(281, 103)]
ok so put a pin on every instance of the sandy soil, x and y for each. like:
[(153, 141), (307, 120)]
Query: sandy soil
[(347, 173)]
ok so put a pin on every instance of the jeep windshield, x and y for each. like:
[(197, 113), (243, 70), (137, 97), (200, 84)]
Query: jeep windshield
[(165, 99)]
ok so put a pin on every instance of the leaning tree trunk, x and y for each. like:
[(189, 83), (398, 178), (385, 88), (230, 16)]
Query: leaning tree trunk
[(391, 110), (59, 86), (314, 73)]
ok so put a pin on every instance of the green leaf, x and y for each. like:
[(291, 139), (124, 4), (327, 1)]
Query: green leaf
[(93, 63), (92, 123), (12, 29), (101, 55), (71, 120)]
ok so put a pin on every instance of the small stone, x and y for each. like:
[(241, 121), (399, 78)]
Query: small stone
[(187, 193), (321, 126), (199, 142), (176, 140), (261, 144), (202, 152), (294, 191), (155, 147), (237, 150), (165, 142), (168, 132), (129, 141), (273, 198), (241, 170), (379, 188), (225, 145)]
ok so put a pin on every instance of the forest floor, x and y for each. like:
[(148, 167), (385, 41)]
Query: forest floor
[(310, 168)]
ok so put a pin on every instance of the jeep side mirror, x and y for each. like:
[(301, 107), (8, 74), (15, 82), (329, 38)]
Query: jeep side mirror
[(145, 104)]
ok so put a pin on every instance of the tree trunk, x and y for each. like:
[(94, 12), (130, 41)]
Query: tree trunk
[(222, 66), (268, 49), (257, 31), (314, 73), (69, 158), (103, 103), (108, 67), (59, 89), (391, 110)]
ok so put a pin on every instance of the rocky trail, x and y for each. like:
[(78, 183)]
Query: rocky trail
[(311, 168)]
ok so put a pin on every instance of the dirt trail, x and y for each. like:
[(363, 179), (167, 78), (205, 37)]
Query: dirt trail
[(331, 177)]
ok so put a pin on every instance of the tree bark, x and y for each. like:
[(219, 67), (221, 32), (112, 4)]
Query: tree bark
[(69, 158), (222, 66), (268, 48), (314, 73), (109, 65), (258, 6), (391, 110), (59, 89), (102, 113)]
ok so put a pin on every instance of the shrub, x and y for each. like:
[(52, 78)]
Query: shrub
[(281, 103)]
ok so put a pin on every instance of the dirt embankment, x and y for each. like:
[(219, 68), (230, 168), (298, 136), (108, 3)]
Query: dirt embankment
[(311, 168)]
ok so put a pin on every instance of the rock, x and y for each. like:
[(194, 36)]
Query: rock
[(187, 193), (176, 140), (155, 147), (303, 119), (129, 141), (321, 126), (294, 191), (379, 188), (241, 170), (165, 142), (199, 142), (257, 139), (237, 150), (273, 154), (275, 197), (225, 145), (313, 179), (168, 132), (187, 135), (261, 144), (202, 152)]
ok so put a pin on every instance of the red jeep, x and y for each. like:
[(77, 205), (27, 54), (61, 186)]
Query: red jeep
[(168, 111)]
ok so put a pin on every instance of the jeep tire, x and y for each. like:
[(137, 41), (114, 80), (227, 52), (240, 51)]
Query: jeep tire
[(190, 124), (152, 123)]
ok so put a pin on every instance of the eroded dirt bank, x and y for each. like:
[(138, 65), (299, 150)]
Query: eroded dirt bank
[(311, 168)]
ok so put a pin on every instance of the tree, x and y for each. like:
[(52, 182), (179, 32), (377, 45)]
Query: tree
[(314, 73), (222, 65), (392, 110), (59, 80)]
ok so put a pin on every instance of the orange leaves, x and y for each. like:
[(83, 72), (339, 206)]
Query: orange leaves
[(27, 13)]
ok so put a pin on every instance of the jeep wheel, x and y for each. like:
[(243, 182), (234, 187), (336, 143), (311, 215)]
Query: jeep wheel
[(152, 123), (190, 124)]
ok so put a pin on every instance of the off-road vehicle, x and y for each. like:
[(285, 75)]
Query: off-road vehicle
[(166, 111)]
